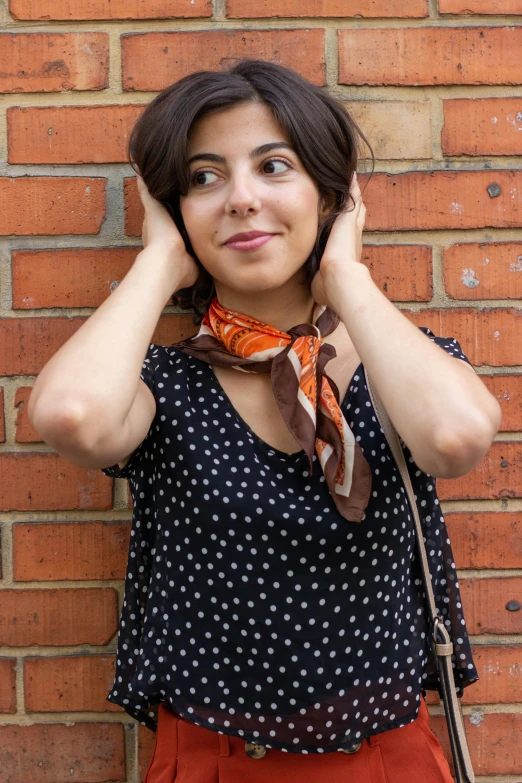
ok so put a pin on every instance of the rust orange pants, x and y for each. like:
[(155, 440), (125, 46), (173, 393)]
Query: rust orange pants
[(186, 753)]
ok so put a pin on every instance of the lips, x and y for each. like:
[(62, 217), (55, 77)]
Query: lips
[(247, 236)]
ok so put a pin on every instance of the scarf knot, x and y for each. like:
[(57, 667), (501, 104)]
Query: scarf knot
[(307, 398)]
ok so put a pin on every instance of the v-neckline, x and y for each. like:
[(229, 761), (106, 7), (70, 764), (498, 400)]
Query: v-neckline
[(296, 455)]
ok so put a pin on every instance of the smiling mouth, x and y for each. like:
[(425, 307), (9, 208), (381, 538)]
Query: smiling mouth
[(249, 244)]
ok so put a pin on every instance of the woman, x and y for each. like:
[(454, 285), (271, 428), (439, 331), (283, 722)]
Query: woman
[(273, 602)]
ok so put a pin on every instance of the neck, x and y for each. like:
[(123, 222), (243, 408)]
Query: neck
[(282, 308)]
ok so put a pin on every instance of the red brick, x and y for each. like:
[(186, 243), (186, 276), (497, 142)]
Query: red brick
[(508, 391), (55, 753), (24, 430), (482, 126), (483, 270), (500, 7), (70, 134), (51, 205), (430, 55), (71, 683), (7, 686), (27, 344), (493, 738), (146, 742), (488, 539), (82, 277), (50, 483), (116, 9), (2, 415), (424, 200), (67, 616), (500, 675), (402, 272), (152, 61), (250, 9), (50, 551), (498, 475), (53, 62), (484, 601), (490, 336)]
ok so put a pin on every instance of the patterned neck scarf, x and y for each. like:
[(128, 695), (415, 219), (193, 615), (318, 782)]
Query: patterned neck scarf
[(307, 398)]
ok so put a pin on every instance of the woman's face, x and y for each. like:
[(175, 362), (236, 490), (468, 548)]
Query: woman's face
[(248, 189)]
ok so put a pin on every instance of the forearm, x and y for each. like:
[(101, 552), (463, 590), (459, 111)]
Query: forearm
[(434, 402), (94, 376)]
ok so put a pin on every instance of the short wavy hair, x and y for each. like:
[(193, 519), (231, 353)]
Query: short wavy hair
[(320, 128)]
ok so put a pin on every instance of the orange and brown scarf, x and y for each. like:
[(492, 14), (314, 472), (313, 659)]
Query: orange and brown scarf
[(296, 361)]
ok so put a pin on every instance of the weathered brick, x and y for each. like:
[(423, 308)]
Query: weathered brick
[(249, 9), (69, 683), (422, 201), (50, 551), (500, 675), (2, 415), (70, 134), (24, 430), (50, 483), (482, 126), (27, 344), (152, 61), (51, 205), (7, 686), (53, 62), (490, 336), (499, 7), (508, 391), (484, 601), (69, 10), (82, 277), (67, 616), (396, 130), (402, 272), (57, 753), (483, 270), (431, 55), (487, 539), (496, 476), (493, 738), (146, 742)]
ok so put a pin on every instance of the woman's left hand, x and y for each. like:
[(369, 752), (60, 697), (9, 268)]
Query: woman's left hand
[(343, 249)]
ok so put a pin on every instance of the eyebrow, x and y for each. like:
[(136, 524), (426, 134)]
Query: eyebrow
[(254, 153)]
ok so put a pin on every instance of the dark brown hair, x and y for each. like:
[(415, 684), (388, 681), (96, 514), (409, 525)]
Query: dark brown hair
[(318, 125)]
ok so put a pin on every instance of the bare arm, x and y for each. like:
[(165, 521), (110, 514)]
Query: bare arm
[(440, 407), (82, 399), (92, 380)]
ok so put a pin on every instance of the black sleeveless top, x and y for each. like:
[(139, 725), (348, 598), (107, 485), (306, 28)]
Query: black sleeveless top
[(251, 606)]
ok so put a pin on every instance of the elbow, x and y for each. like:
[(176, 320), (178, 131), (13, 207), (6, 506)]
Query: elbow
[(56, 427), (460, 452)]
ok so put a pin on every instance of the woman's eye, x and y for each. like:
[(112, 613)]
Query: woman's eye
[(197, 177), (273, 162)]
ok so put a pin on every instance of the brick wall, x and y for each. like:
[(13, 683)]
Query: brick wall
[(437, 89)]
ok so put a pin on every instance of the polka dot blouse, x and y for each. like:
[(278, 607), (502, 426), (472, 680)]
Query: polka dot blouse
[(251, 605)]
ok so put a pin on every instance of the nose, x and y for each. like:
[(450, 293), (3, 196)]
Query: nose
[(243, 195)]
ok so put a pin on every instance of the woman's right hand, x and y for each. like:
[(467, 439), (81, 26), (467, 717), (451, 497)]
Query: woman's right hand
[(160, 230)]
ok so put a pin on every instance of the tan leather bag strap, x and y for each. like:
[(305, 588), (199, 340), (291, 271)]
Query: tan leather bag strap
[(442, 645)]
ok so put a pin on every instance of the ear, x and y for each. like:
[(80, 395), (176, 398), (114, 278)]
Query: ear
[(325, 206)]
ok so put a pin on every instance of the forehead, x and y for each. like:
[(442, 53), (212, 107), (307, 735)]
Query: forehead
[(239, 127)]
